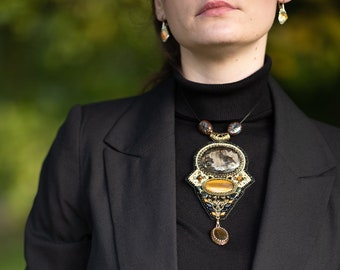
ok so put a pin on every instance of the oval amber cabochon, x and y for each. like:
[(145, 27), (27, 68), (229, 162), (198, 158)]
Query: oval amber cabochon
[(218, 186)]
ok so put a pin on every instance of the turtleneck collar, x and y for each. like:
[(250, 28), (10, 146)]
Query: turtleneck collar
[(225, 102)]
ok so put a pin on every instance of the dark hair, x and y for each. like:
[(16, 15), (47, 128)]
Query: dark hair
[(171, 54)]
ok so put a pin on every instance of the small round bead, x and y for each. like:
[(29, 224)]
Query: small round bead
[(234, 128), (205, 127)]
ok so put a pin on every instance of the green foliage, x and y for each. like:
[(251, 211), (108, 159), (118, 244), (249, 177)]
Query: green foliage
[(306, 53), (56, 53)]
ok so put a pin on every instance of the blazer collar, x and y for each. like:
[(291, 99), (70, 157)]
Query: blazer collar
[(297, 138), (300, 179), (146, 122), (140, 174)]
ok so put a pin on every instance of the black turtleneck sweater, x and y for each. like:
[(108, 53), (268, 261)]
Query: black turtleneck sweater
[(222, 104)]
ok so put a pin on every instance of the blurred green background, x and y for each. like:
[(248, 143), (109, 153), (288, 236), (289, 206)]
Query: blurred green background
[(57, 53)]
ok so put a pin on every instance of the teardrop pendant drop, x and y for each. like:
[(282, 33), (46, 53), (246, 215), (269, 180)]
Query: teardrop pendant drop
[(283, 16), (164, 32)]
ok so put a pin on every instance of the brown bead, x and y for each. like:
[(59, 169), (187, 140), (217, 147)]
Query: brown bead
[(199, 178), (205, 127)]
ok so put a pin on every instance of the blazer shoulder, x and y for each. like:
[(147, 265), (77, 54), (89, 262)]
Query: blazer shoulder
[(107, 109), (108, 112), (115, 107), (96, 119)]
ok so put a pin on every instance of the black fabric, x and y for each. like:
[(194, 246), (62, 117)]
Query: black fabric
[(119, 211), (222, 104)]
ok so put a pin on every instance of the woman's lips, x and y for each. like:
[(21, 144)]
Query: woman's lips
[(215, 8)]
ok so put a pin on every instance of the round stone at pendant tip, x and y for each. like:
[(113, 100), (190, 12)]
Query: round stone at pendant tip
[(219, 236)]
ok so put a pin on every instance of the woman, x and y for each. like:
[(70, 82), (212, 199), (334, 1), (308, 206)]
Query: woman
[(134, 184)]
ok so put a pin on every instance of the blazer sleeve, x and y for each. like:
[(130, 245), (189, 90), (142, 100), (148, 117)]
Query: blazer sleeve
[(57, 234)]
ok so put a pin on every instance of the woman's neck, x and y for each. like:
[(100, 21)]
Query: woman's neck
[(222, 64)]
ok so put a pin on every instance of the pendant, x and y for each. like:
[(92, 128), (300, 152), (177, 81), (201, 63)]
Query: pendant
[(219, 180)]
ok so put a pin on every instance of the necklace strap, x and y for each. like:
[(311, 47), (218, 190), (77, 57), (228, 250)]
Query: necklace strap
[(187, 103)]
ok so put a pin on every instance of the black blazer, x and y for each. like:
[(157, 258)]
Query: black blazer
[(107, 199)]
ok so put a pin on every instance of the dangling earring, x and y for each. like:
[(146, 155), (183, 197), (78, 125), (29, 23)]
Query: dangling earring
[(164, 32), (283, 16)]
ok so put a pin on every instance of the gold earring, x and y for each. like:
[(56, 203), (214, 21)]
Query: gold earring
[(164, 32), (283, 16)]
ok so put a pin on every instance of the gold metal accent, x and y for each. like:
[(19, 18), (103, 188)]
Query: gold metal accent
[(219, 137)]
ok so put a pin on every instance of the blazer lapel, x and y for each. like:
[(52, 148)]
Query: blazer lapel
[(140, 168), (300, 180)]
